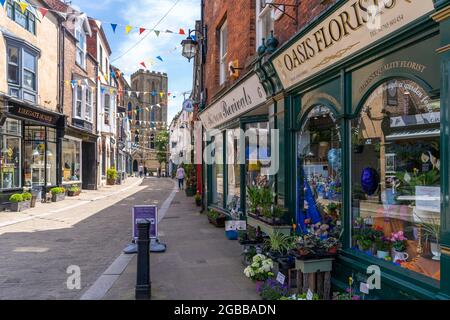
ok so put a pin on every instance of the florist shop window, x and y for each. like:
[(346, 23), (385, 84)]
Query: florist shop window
[(319, 187), (395, 174), (257, 154)]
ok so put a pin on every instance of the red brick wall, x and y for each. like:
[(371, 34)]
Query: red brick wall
[(241, 18)]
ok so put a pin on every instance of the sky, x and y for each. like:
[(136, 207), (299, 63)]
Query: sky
[(146, 13)]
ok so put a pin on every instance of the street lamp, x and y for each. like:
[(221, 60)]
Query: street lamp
[(190, 45)]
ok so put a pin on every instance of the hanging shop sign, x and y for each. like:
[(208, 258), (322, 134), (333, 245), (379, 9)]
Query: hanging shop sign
[(240, 100), (188, 105), (345, 32)]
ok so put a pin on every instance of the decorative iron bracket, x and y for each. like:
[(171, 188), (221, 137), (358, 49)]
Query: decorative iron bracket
[(278, 6)]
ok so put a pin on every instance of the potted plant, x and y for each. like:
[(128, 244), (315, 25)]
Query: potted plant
[(20, 201), (216, 218), (111, 176), (383, 245), (357, 141), (271, 289), (278, 244), (73, 191), (260, 269), (300, 296), (58, 194), (198, 199), (399, 244)]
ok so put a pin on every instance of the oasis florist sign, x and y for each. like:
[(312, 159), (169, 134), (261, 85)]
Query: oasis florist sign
[(240, 100), (354, 26)]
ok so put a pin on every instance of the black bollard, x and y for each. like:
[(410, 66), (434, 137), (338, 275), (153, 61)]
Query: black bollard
[(143, 286)]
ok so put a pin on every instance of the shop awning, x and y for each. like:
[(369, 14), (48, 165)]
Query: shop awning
[(414, 134)]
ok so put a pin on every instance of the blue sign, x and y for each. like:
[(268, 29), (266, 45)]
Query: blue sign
[(188, 105), (149, 213)]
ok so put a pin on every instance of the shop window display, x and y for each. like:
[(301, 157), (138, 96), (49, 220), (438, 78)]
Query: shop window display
[(395, 173), (71, 160), (319, 188), (217, 170), (10, 146), (257, 154), (40, 156), (233, 168)]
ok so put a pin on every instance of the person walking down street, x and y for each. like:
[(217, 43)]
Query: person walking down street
[(141, 170), (180, 177)]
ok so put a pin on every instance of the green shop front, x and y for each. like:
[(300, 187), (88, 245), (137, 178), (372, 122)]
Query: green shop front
[(238, 144), (366, 136)]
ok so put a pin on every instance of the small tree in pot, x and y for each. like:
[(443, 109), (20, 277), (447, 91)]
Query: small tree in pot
[(111, 176)]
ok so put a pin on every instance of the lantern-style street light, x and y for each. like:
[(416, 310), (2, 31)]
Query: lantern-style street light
[(190, 45)]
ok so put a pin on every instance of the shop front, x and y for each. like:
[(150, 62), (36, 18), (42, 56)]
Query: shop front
[(30, 148), (368, 113), (79, 158), (237, 134)]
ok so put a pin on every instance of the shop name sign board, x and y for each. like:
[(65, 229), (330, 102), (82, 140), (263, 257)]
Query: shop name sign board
[(349, 29), (240, 100), (34, 115)]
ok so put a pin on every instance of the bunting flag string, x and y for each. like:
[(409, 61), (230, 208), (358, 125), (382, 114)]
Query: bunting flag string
[(112, 91), (25, 5)]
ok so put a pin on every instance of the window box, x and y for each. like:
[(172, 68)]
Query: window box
[(315, 265)]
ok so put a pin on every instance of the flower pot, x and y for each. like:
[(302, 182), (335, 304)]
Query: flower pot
[(313, 266), (58, 197), (398, 256), (435, 250), (332, 250), (20, 206), (218, 222), (110, 182), (73, 193), (382, 254)]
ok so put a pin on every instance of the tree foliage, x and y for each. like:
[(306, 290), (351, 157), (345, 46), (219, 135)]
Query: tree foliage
[(162, 144)]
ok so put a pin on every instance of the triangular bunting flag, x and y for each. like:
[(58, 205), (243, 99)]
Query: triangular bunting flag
[(194, 37), (128, 29), (161, 94), (114, 26), (169, 31), (23, 6), (141, 30), (159, 58), (143, 64), (2, 2), (43, 11), (137, 94), (73, 83), (182, 31), (157, 32), (102, 90)]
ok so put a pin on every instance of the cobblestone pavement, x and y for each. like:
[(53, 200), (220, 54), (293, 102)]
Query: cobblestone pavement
[(89, 231)]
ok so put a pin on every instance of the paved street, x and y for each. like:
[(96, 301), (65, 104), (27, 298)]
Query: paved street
[(199, 264), (89, 231)]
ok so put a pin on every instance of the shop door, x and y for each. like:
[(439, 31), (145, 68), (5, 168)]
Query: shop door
[(89, 166)]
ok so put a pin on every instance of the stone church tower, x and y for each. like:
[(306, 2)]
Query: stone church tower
[(148, 113)]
